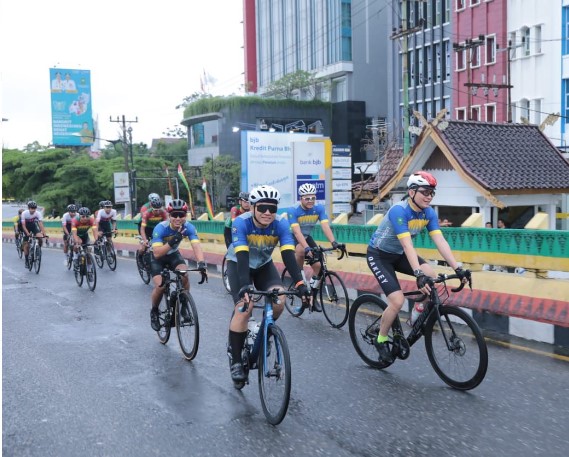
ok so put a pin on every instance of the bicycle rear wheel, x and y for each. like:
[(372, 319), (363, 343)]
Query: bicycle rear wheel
[(274, 375), (364, 320), (31, 257), (187, 325), (99, 256), (19, 249), (334, 300), (456, 348), (111, 256), (69, 257), (165, 316), (90, 272), (293, 304), (224, 276), (79, 269), (141, 266)]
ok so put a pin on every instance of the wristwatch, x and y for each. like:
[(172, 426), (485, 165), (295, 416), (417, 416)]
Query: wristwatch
[(418, 273)]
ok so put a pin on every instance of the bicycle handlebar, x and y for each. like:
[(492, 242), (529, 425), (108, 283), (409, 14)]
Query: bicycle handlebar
[(321, 250), (179, 273), (273, 293)]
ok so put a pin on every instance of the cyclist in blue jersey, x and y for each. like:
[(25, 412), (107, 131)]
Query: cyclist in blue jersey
[(302, 218), (391, 249), (166, 239), (255, 235)]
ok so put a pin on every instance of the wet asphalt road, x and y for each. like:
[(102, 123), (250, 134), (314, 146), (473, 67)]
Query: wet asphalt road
[(84, 375)]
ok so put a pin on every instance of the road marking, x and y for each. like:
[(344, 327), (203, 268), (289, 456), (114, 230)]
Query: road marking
[(526, 349)]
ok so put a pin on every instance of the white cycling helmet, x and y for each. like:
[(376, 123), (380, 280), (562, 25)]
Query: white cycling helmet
[(264, 194), (307, 189), (421, 179)]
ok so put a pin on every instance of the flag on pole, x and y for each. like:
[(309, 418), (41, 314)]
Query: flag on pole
[(207, 200), (185, 181)]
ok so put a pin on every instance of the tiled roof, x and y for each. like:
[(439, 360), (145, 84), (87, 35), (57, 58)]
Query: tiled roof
[(503, 157), (387, 169)]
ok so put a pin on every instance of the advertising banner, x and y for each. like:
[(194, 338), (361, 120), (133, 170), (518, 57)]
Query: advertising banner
[(71, 116)]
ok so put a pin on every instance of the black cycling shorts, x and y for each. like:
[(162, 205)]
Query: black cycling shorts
[(309, 240), (32, 227), (383, 265), (105, 227), (170, 261), (265, 277)]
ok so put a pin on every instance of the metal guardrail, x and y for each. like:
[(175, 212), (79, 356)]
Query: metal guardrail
[(530, 249)]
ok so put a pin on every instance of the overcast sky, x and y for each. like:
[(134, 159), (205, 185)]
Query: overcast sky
[(144, 58)]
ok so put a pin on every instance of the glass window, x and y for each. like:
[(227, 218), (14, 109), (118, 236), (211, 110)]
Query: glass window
[(524, 109), (460, 4), (474, 2), (460, 114), (475, 57), (437, 62), (537, 111), (475, 113), (491, 113), (526, 40), (460, 59), (490, 50), (537, 39)]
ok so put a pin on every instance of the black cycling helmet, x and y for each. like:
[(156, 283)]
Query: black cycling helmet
[(177, 205), (107, 203), (244, 196), (32, 204), (102, 204), (84, 211), (72, 208)]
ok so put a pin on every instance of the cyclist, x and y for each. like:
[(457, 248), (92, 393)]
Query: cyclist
[(150, 219), (166, 240), (32, 221), (152, 196), (243, 206), (17, 220), (255, 235), (391, 249), (106, 219), (303, 218), (80, 226), (101, 206), (66, 220)]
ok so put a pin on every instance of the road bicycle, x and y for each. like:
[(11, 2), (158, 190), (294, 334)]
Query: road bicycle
[(84, 267), (104, 249), (454, 343), (34, 253), (329, 294), (143, 261), (178, 309), (19, 240), (266, 350)]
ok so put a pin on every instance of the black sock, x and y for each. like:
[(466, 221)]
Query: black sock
[(236, 341)]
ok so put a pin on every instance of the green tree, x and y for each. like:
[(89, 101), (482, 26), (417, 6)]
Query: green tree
[(225, 173), (299, 81)]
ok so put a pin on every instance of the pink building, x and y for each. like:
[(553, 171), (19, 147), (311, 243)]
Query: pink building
[(480, 44)]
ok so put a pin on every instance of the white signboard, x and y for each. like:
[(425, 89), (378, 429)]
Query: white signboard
[(342, 184), (338, 208), (122, 195), (341, 197), (341, 173), (341, 161), (121, 179)]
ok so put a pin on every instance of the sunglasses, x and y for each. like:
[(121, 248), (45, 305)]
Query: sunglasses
[(427, 192), (309, 199), (178, 215), (264, 208)]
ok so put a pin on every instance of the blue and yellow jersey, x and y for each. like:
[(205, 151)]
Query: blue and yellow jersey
[(306, 218), (163, 232), (259, 242), (402, 221)]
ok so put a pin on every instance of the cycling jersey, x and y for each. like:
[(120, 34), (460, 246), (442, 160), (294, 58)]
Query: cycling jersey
[(402, 221), (17, 220), (306, 218), (145, 208), (103, 216), (66, 220), (82, 226), (163, 232), (152, 218), (259, 242), (31, 219), (233, 213)]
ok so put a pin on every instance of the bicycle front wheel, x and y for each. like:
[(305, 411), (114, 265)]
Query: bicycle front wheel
[(31, 257), (187, 325), (363, 323), (69, 258), (334, 300), (19, 246), (99, 256), (142, 271), (166, 315), (274, 375), (90, 272), (37, 259), (293, 304), (78, 270), (224, 276), (111, 256), (456, 348)]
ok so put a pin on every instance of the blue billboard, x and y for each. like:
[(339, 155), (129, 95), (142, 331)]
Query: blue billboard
[(71, 118)]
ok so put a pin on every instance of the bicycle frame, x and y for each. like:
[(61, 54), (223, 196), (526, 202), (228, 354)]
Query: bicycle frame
[(266, 322)]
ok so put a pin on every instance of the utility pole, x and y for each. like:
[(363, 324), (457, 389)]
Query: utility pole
[(127, 148), (469, 45), (403, 33)]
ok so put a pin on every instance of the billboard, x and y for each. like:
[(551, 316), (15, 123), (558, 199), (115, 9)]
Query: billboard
[(71, 118)]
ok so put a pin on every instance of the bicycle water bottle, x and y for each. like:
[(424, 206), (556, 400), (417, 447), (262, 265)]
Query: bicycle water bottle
[(415, 312), (252, 329), (314, 282)]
